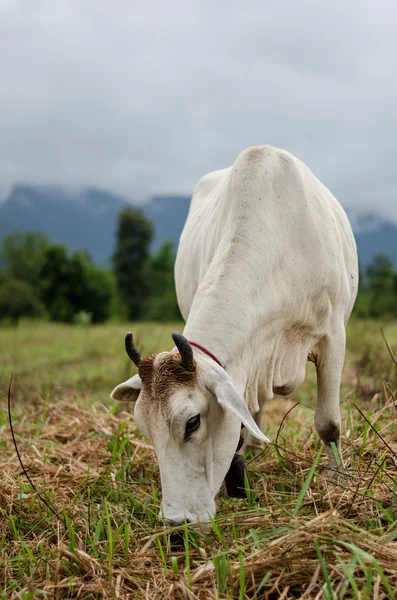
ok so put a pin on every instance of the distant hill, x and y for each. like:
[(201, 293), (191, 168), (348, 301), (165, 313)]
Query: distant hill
[(374, 235), (87, 220)]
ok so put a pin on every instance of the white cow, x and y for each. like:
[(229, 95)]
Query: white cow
[(266, 277)]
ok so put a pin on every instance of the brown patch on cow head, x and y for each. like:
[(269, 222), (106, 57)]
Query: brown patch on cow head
[(160, 375)]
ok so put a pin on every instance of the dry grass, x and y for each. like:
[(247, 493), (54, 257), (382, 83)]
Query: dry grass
[(295, 537)]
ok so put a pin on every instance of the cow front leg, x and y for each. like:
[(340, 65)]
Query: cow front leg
[(330, 354)]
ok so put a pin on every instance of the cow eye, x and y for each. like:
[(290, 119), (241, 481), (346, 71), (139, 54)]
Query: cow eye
[(192, 424)]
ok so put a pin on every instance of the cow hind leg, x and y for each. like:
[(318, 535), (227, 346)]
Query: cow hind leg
[(330, 354)]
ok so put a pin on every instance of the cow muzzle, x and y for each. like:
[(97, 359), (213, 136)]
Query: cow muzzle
[(201, 513)]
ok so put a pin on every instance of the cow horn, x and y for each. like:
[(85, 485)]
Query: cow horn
[(131, 349), (185, 351)]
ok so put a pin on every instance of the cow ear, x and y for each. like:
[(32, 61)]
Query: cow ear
[(229, 398), (128, 391)]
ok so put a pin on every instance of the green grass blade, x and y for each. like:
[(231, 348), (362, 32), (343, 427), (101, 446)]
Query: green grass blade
[(306, 483)]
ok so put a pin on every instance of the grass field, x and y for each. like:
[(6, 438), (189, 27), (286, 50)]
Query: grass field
[(295, 537)]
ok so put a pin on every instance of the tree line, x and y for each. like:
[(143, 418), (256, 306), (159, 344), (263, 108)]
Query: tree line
[(377, 292), (42, 279)]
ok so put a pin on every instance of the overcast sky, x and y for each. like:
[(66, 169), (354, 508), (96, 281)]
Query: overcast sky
[(144, 97)]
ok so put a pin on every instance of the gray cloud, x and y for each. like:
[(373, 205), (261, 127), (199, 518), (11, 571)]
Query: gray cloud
[(143, 98)]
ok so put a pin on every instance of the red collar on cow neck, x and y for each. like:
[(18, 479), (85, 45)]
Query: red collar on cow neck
[(207, 352)]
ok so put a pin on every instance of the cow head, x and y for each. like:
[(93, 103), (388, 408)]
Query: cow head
[(190, 410)]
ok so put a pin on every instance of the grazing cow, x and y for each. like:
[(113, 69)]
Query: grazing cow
[(266, 277)]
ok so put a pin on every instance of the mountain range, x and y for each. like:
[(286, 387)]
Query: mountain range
[(87, 220)]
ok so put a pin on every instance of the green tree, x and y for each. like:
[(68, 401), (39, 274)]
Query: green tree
[(99, 293), (361, 306), (380, 278), (17, 299), (3, 276), (162, 304), (71, 284), (57, 282), (130, 260), (22, 255)]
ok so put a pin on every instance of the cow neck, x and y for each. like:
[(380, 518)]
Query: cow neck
[(207, 352)]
